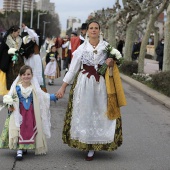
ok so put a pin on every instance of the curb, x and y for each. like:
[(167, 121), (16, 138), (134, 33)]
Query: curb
[(150, 92)]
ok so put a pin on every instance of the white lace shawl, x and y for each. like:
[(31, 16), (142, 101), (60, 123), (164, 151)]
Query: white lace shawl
[(14, 44), (85, 54), (44, 105)]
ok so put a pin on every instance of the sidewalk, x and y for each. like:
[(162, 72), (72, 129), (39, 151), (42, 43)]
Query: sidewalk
[(150, 67)]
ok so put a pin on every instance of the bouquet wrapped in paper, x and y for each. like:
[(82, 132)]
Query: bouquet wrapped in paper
[(14, 53), (111, 53)]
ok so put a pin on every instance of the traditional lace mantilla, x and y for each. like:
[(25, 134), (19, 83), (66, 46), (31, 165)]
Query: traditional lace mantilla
[(91, 56), (14, 44)]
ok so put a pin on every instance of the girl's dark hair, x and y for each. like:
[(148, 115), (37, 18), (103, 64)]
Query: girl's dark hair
[(93, 22), (12, 29), (24, 68)]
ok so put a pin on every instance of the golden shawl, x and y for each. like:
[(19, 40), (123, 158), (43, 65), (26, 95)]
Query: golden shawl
[(115, 93)]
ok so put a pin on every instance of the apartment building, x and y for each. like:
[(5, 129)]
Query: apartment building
[(15, 5), (46, 5), (74, 23)]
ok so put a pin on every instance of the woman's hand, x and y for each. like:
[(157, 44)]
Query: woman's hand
[(110, 62), (60, 92)]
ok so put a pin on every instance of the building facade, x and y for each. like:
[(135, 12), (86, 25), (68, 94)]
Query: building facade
[(73, 22), (46, 5), (15, 5)]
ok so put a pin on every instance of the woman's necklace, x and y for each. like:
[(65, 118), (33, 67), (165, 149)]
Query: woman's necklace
[(94, 45)]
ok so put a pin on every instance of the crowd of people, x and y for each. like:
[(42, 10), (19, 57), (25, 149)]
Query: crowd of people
[(93, 119)]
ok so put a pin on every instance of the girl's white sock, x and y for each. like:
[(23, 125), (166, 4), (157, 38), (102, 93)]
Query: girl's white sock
[(90, 153), (19, 152)]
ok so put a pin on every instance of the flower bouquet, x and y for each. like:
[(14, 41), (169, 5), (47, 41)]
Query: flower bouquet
[(52, 57), (8, 101), (14, 53), (111, 53)]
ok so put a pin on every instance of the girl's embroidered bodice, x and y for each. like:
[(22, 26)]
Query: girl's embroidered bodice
[(25, 101)]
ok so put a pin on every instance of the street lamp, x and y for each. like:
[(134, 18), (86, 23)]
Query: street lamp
[(32, 10), (38, 21), (44, 29), (21, 14)]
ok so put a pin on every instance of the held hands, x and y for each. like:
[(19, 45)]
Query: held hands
[(60, 93), (109, 62)]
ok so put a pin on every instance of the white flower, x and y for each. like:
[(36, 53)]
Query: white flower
[(116, 53), (7, 99), (12, 51)]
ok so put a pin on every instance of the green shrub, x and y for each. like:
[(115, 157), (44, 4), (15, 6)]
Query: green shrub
[(129, 67), (161, 82)]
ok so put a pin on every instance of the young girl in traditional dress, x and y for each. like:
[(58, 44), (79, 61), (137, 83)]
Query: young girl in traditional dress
[(52, 69), (28, 125)]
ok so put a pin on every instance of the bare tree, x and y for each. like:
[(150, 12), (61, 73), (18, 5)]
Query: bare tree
[(166, 59), (155, 11), (139, 12), (9, 19)]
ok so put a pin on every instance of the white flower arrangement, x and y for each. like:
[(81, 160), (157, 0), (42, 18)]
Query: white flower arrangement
[(8, 101), (117, 54), (12, 51), (111, 53)]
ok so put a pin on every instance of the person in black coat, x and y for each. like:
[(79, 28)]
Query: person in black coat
[(8, 67), (160, 53)]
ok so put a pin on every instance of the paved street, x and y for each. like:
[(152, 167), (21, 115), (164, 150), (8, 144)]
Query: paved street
[(145, 131)]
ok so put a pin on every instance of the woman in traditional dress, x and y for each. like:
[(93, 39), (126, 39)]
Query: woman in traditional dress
[(9, 69), (93, 120), (32, 54), (28, 123)]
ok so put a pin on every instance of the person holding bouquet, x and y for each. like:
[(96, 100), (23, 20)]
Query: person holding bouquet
[(93, 119), (28, 123), (9, 65)]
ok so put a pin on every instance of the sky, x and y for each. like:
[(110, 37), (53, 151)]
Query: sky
[(79, 8), (76, 8)]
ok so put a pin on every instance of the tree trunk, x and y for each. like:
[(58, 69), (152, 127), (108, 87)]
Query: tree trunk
[(105, 35), (144, 44), (156, 40), (150, 25), (166, 59), (130, 36), (112, 33)]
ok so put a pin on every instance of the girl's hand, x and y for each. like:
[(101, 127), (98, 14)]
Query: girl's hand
[(110, 62), (11, 109)]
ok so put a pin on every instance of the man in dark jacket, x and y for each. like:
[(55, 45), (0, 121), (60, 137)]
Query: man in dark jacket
[(160, 53)]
